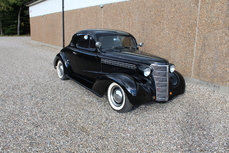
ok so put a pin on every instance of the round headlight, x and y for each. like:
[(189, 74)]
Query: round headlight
[(147, 72), (172, 68)]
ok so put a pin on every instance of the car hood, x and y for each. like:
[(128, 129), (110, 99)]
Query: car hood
[(137, 56)]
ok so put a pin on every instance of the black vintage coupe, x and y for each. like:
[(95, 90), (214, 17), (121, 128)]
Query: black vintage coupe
[(109, 62)]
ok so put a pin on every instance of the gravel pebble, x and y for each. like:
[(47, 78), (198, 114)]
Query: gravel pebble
[(40, 113)]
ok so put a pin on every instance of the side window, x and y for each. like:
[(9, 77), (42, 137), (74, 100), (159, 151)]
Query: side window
[(84, 41), (75, 41), (92, 43)]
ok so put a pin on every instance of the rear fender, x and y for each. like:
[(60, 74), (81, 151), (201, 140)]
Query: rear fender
[(125, 81), (61, 56)]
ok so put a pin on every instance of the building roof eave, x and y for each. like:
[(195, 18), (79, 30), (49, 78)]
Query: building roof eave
[(33, 2)]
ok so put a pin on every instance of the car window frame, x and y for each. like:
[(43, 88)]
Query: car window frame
[(75, 45)]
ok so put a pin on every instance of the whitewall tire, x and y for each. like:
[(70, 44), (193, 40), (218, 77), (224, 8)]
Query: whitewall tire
[(61, 71), (117, 98)]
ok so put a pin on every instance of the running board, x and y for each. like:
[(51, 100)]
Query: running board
[(86, 84)]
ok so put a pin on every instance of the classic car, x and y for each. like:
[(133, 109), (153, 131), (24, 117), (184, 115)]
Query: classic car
[(109, 62)]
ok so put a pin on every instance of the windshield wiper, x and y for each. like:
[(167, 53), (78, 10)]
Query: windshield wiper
[(118, 47), (123, 47)]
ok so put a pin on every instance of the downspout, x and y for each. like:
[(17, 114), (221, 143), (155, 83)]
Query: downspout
[(63, 32)]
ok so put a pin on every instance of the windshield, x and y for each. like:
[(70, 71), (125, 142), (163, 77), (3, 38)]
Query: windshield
[(117, 42)]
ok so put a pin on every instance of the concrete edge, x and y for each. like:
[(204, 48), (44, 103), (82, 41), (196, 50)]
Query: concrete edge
[(215, 87), (49, 45)]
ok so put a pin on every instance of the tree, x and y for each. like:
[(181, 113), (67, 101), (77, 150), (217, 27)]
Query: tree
[(1, 32), (3, 7), (20, 3), (9, 20)]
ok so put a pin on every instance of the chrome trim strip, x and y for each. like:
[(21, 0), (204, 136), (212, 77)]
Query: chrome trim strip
[(119, 64)]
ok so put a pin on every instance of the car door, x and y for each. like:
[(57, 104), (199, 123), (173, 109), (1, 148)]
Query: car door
[(71, 51), (85, 62)]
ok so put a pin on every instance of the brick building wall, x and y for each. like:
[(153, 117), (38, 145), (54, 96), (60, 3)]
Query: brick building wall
[(192, 34)]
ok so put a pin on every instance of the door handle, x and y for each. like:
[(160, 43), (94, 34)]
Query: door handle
[(74, 53)]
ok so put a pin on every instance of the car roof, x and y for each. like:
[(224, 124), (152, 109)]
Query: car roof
[(97, 32)]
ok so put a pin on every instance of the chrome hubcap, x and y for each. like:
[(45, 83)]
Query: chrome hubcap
[(117, 96)]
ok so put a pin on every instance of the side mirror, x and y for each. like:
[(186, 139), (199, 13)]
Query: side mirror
[(141, 44), (98, 44)]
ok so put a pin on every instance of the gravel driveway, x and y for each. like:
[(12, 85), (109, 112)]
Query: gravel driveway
[(40, 113)]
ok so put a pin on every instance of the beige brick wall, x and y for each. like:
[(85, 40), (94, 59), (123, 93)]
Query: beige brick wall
[(47, 29), (192, 34)]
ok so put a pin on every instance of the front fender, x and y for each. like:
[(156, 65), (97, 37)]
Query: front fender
[(124, 80), (137, 92), (177, 84)]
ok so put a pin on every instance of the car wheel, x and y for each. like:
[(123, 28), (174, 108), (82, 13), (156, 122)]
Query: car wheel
[(61, 71), (118, 99)]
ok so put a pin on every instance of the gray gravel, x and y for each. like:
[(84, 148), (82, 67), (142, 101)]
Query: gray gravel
[(40, 113)]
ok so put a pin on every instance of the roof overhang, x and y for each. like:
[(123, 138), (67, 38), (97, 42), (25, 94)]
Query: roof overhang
[(33, 2)]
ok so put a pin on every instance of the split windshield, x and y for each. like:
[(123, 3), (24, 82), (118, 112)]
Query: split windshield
[(117, 42)]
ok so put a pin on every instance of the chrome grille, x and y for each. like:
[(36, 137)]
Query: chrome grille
[(160, 75)]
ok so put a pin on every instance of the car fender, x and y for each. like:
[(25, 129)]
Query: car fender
[(61, 56), (124, 80), (179, 88)]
